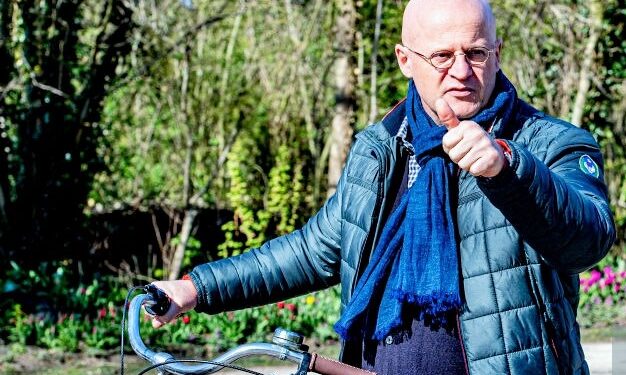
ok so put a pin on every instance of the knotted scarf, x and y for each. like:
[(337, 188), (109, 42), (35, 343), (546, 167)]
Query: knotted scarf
[(415, 261)]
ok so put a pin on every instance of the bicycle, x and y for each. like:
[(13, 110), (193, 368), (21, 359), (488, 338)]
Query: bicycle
[(286, 346)]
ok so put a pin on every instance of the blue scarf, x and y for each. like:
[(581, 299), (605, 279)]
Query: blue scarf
[(414, 267)]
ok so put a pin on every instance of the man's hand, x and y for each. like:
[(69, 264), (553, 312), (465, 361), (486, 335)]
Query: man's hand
[(468, 145), (184, 298)]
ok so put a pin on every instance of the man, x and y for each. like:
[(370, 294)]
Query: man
[(458, 227)]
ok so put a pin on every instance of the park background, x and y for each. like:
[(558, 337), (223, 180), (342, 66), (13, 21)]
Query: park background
[(139, 138)]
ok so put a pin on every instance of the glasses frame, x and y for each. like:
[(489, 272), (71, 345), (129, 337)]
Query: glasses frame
[(453, 59)]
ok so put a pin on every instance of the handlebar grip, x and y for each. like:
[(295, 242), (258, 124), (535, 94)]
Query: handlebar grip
[(161, 301), (327, 366)]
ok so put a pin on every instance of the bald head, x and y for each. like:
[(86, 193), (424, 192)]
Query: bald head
[(432, 28), (423, 15)]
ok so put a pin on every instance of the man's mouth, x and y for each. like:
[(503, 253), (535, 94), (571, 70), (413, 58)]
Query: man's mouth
[(460, 92)]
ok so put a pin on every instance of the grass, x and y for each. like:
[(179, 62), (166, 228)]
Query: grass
[(603, 334)]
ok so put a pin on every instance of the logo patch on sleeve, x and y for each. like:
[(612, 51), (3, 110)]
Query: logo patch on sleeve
[(589, 166)]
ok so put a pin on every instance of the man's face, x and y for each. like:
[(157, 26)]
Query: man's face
[(466, 88)]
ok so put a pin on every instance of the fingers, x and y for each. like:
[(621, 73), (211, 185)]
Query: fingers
[(446, 114), (470, 147), (171, 314), (183, 296)]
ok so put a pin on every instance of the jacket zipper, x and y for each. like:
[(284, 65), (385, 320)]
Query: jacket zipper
[(458, 326), (375, 214), (550, 329), (379, 209)]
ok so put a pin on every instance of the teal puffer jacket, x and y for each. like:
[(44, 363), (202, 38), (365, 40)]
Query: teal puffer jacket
[(524, 236)]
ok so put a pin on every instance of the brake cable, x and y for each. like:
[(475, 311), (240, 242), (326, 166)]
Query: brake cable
[(124, 327), (234, 367)]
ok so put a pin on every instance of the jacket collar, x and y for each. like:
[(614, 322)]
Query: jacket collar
[(393, 119)]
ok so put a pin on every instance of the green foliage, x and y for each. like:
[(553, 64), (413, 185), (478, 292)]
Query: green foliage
[(245, 196), (102, 331), (52, 282), (21, 327), (251, 108), (285, 190), (54, 79), (98, 328), (313, 316), (284, 206), (63, 334), (391, 84)]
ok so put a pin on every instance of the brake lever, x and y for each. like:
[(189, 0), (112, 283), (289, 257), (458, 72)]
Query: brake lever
[(161, 302)]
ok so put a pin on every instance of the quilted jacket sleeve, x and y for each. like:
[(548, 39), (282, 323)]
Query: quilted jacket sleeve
[(558, 205), (302, 261)]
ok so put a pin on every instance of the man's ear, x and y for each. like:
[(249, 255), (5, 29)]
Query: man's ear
[(403, 61), (497, 52)]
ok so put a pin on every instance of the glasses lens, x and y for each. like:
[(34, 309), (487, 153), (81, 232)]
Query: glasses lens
[(441, 58), (477, 55)]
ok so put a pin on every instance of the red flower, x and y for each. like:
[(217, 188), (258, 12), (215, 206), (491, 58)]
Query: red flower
[(186, 319), (102, 313), (291, 307), (280, 305)]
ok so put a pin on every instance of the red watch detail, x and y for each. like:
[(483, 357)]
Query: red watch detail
[(506, 150)]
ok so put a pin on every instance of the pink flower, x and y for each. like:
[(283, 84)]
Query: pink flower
[(595, 277), (616, 287), (280, 305)]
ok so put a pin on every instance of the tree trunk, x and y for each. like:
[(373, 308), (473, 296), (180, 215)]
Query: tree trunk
[(185, 234), (341, 131), (374, 74), (596, 11)]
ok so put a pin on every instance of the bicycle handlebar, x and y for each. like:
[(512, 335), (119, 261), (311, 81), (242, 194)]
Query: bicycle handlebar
[(285, 347)]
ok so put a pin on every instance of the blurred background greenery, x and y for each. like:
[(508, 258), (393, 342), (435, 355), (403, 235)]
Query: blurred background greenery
[(138, 138)]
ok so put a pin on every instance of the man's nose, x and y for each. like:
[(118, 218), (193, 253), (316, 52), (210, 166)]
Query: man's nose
[(461, 68)]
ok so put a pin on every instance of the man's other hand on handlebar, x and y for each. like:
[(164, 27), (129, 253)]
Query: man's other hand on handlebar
[(183, 297)]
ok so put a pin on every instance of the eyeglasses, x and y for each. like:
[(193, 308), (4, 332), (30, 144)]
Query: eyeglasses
[(445, 59)]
